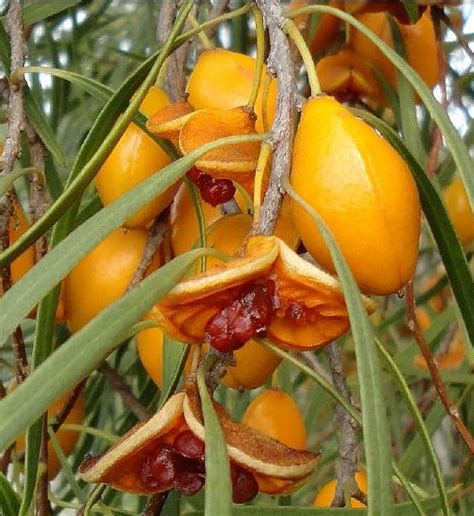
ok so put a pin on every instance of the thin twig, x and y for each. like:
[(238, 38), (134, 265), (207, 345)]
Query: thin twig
[(43, 507), (312, 361), (349, 444), (68, 404), (155, 504), (116, 381), (280, 64), (217, 10), (16, 123), (155, 237), (457, 32), (450, 407)]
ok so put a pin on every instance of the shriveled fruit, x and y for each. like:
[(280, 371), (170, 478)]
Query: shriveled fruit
[(135, 158), (459, 211), (103, 275), (275, 413), (223, 79), (325, 496), (18, 224), (364, 192), (419, 40), (150, 343), (67, 438)]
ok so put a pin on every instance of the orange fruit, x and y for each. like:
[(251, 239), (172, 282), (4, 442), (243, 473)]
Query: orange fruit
[(364, 192), (460, 212), (325, 496), (136, 157), (276, 414), (103, 275)]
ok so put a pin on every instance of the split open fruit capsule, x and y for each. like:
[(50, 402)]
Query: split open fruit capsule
[(135, 158), (275, 413), (103, 275), (67, 438), (325, 496), (223, 79), (459, 211), (167, 452), (17, 225), (363, 191), (419, 40)]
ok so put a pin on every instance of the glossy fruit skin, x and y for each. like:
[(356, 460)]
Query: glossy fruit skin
[(135, 158), (274, 413), (459, 211), (223, 79), (419, 39), (150, 350), (364, 192), (326, 494), (18, 224), (67, 438), (103, 275)]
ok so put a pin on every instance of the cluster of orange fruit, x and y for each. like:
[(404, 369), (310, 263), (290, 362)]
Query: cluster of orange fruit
[(351, 176)]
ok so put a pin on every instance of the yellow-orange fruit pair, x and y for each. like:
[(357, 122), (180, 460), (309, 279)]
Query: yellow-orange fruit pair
[(363, 191), (459, 211), (222, 79), (103, 275), (135, 158), (17, 225), (325, 496), (419, 40), (67, 438)]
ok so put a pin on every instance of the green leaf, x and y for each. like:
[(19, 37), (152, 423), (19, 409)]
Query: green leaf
[(85, 350), (174, 358), (9, 500), (412, 9), (374, 421), (453, 140), (7, 181), (43, 9), (218, 485), (49, 271), (405, 390), (450, 248)]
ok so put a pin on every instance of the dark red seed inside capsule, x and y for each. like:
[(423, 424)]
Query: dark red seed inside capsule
[(188, 445), (213, 191), (189, 483), (159, 469), (244, 485), (246, 316)]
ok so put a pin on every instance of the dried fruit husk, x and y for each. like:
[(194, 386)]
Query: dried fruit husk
[(274, 465), (168, 122), (186, 310)]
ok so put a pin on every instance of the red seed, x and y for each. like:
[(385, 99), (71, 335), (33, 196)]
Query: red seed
[(159, 469), (244, 485), (188, 445), (189, 483), (213, 191)]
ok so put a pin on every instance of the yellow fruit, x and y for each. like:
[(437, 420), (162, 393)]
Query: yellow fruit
[(364, 192), (135, 158), (274, 413), (103, 275), (223, 79), (459, 211), (325, 497)]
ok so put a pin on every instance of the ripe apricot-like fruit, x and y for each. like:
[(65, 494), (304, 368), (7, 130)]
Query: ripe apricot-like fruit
[(17, 225), (223, 79), (419, 40), (459, 211), (276, 414), (325, 496), (67, 438), (326, 30), (364, 192), (135, 158), (103, 275)]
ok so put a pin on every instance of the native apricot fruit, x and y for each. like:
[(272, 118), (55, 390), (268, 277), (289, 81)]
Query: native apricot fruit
[(325, 496), (223, 79), (135, 158), (67, 438), (459, 211), (150, 345), (17, 225), (364, 192), (103, 275), (276, 414), (419, 40)]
